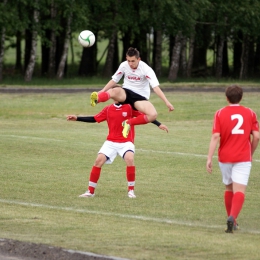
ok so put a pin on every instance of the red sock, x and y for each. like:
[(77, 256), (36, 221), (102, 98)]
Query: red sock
[(139, 120), (237, 204), (103, 97), (228, 196), (130, 176), (93, 178)]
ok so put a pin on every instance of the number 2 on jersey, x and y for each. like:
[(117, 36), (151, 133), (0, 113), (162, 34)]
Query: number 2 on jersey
[(236, 130)]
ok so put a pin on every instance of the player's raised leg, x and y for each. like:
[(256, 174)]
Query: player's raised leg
[(117, 94)]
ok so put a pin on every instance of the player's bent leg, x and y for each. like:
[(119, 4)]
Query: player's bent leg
[(147, 108), (118, 94)]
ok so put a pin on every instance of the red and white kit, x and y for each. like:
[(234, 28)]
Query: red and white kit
[(235, 123), (138, 80), (115, 114)]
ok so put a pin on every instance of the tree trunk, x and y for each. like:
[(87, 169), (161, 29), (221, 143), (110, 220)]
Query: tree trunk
[(108, 69), (18, 62), (30, 68), (52, 51), (237, 47), (45, 50), (257, 58), (251, 56), (157, 53), (225, 64), (116, 56), (61, 68), (244, 59), (126, 41), (27, 47), (2, 50), (183, 62), (171, 45), (140, 42), (219, 60), (203, 38), (191, 55), (175, 59)]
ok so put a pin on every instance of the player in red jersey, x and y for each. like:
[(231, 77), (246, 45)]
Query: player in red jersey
[(115, 143), (237, 129), (138, 77)]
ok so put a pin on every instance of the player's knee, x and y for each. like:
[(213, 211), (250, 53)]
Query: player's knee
[(115, 92)]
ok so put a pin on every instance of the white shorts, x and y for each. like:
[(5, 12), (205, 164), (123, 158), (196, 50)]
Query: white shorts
[(112, 149), (235, 172)]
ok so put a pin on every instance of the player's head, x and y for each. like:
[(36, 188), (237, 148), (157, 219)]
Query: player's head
[(133, 57), (234, 94), (133, 52)]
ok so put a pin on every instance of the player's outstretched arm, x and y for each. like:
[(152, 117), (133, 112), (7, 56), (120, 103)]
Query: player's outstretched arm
[(159, 93), (71, 118), (160, 125), (164, 128), (87, 119)]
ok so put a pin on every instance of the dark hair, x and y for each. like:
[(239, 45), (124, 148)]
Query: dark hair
[(133, 52), (234, 94)]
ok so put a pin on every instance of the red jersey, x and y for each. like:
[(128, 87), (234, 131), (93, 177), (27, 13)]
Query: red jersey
[(115, 114), (235, 124)]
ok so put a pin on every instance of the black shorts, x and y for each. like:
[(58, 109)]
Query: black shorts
[(132, 97)]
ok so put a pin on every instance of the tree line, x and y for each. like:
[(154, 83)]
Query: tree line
[(184, 29)]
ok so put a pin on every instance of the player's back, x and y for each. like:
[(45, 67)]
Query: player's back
[(234, 123)]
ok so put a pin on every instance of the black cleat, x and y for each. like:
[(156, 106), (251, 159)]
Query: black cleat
[(230, 225)]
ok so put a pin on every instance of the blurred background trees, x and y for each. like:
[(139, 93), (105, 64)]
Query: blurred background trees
[(174, 37)]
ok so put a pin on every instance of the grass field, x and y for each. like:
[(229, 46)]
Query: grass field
[(178, 212)]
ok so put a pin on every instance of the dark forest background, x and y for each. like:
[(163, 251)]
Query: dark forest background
[(173, 36)]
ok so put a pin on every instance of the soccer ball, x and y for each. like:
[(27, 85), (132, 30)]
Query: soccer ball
[(86, 38)]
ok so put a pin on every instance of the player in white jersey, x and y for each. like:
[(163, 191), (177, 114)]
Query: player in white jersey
[(138, 77)]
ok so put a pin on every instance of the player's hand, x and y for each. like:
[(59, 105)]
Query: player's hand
[(71, 118), (164, 128), (170, 106), (209, 166)]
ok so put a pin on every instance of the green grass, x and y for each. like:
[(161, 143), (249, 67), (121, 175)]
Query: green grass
[(178, 212)]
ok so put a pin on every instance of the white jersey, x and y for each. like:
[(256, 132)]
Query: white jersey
[(138, 80)]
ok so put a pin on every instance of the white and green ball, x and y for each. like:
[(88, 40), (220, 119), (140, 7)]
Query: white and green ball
[(86, 38)]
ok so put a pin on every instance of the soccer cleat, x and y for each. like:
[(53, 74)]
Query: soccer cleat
[(126, 129), (93, 99), (230, 225), (131, 194), (87, 194)]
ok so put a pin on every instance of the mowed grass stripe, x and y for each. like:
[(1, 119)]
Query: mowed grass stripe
[(139, 150), (142, 218)]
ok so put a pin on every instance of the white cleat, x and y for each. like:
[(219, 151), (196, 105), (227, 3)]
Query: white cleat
[(131, 194), (87, 194)]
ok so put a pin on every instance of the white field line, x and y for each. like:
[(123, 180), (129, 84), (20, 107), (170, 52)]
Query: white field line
[(127, 216), (141, 150)]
